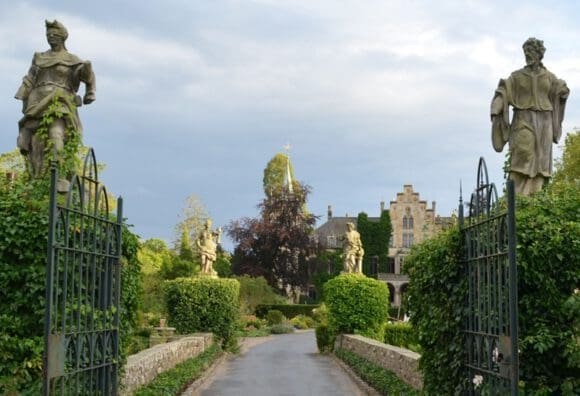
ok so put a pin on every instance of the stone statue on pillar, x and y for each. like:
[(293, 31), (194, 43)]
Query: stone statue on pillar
[(52, 80), (352, 250), (538, 99), (207, 243)]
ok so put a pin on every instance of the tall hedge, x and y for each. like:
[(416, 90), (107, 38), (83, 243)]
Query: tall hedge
[(357, 304), (548, 259), (23, 247), (204, 304), (436, 294)]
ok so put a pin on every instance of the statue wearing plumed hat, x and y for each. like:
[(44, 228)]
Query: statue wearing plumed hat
[(54, 78)]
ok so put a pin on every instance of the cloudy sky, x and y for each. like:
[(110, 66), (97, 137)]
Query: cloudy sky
[(196, 96)]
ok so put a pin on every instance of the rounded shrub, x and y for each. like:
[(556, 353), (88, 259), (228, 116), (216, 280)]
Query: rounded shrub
[(275, 317), (357, 304), (204, 305), (282, 328)]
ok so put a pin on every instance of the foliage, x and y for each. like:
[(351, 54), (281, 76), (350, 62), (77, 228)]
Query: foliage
[(177, 379), (222, 264), (277, 245), (204, 304), (255, 292), (435, 298), (152, 254), (289, 310), (23, 247), (303, 322), (375, 237), (548, 251), (12, 161), (275, 173), (381, 379), (568, 167), (68, 159), (357, 304), (282, 328), (193, 218), (401, 334), (325, 338), (275, 317)]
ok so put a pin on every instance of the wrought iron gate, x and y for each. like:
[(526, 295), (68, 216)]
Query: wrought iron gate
[(491, 324), (82, 288)]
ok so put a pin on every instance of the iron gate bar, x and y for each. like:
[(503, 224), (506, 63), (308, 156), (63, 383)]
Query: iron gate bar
[(83, 288), (491, 302)]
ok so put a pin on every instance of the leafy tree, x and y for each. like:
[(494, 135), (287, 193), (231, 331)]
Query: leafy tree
[(152, 253), (193, 217), (277, 245), (275, 173), (568, 167), (375, 238)]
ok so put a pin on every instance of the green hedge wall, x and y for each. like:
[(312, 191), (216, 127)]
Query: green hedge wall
[(204, 304), (289, 310), (357, 304), (401, 334)]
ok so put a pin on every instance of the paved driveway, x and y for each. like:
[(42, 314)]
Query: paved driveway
[(286, 365)]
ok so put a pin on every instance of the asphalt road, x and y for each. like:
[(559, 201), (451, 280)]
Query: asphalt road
[(287, 365)]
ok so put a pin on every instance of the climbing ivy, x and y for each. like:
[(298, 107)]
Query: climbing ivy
[(375, 238)]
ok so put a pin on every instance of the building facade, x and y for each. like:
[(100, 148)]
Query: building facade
[(412, 220)]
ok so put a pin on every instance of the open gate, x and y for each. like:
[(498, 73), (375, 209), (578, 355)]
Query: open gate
[(491, 316), (82, 288)]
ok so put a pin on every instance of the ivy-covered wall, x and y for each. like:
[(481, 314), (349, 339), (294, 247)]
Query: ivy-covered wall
[(23, 249), (375, 238)]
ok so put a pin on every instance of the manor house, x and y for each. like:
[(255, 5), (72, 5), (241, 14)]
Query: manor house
[(413, 221)]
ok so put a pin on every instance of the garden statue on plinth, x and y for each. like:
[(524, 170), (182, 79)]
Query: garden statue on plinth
[(538, 99), (49, 101), (352, 250), (207, 243)]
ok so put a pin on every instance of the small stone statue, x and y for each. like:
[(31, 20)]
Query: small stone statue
[(55, 74), (352, 250), (538, 99), (207, 243)]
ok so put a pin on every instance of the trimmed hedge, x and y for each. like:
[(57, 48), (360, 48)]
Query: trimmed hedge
[(204, 304), (401, 334), (289, 310), (357, 304)]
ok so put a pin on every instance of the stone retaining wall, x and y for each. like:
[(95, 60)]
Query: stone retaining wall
[(144, 366), (403, 362)]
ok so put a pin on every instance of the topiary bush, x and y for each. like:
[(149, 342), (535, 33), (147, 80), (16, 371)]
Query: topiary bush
[(357, 304), (282, 328), (275, 317), (324, 338), (204, 304)]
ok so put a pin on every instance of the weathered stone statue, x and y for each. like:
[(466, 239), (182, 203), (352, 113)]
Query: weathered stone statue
[(538, 99), (55, 75), (207, 243), (352, 250)]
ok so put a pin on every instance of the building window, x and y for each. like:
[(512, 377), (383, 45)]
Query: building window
[(391, 265), (331, 241), (407, 239), (408, 222)]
